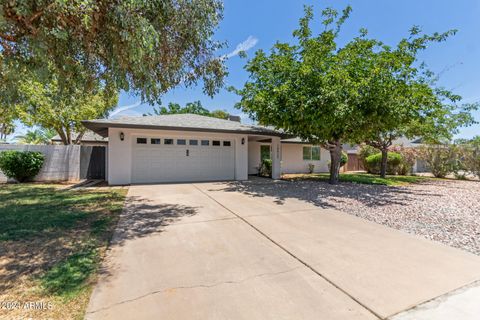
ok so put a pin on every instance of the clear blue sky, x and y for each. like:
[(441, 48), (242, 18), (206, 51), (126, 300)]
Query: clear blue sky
[(268, 21)]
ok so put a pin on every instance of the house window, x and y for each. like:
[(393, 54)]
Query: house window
[(142, 140), (227, 143), (168, 141), (193, 142), (315, 153), (205, 143), (215, 143), (181, 142), (311, 153), (154, 141), (264, 152)]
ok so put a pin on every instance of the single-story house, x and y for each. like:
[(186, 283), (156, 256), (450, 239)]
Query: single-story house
[(189, 147)]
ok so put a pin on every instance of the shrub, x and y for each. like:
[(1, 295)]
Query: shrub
[(468, 161), (441, 159), (343, 159), (473, 162), (373, 163), (409, 156), (311, 167), (265, 168), (366, 151), (21, 165)]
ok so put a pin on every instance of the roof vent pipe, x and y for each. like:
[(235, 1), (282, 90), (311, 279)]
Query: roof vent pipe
[(234, 118)]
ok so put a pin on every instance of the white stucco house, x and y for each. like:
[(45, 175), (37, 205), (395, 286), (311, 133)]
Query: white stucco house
[(188, 147)]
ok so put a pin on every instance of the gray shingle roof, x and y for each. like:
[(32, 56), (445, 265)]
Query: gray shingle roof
[(88, 136), (186, 122)]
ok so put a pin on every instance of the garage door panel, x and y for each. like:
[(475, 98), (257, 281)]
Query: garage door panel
[(170, 163)]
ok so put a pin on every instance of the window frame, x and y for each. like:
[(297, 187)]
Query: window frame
[(155, 139), (182, 144), (193, 144), (319, 151), (143, 139), (205, 143), (227, 143), (310, 153), (214, 143), (168, 141)]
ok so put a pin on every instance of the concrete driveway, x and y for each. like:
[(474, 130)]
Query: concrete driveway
[(223, 251)]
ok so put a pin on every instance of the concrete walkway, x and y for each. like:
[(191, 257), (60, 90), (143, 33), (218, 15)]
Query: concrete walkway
[(222, 251)]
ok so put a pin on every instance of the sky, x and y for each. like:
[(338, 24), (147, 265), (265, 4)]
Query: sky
[(250, 25)]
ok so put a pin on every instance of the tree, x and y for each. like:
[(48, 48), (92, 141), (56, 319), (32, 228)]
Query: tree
[(403, 99), (441, 159), (191, 107), (37, 136), (220, 114), (141, 46), (49, 106), (311, 89), (362, 92), (7, 117), (471, 155)]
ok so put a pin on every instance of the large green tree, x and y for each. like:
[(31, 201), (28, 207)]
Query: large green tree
[(49, 106), (363, 91), (311, 89), (403, 98), (140, 46), (190, 107)]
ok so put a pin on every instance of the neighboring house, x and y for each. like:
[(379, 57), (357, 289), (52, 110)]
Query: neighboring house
[(182, 147), (89, 138)]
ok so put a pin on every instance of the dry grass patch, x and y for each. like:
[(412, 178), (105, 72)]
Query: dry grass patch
[(51, 244)]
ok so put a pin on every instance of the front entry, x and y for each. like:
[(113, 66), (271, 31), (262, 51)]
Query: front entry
[(265, 153)]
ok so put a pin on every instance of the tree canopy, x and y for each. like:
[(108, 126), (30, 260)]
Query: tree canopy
[(190, 107), (403, 98), (141, 46), (36, 136), (49, 106), (311, 88), (330, 94)]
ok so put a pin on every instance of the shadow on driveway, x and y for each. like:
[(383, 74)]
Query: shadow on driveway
[(325, 195), (141, 218)]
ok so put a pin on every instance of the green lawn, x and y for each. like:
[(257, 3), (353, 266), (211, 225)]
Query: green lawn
[(364, 178), (53, 241)]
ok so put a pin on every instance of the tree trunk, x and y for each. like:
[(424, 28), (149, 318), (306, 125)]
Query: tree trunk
[(78, 139), (383, 166), (62, 136), (335, 149)]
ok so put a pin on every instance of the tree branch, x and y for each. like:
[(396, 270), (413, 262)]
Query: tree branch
[(8, 37)]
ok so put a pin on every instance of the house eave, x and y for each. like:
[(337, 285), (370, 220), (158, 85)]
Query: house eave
[(102, 129)]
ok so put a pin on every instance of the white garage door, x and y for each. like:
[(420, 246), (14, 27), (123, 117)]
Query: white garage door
[(163, 159)]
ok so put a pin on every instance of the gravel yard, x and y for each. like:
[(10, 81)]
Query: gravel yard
[(443, 210)]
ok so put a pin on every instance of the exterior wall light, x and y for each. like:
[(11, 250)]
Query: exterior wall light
[(243, 140), (122, 136)]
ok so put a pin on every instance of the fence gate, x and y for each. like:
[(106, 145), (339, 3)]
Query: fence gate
[(92, 162)]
